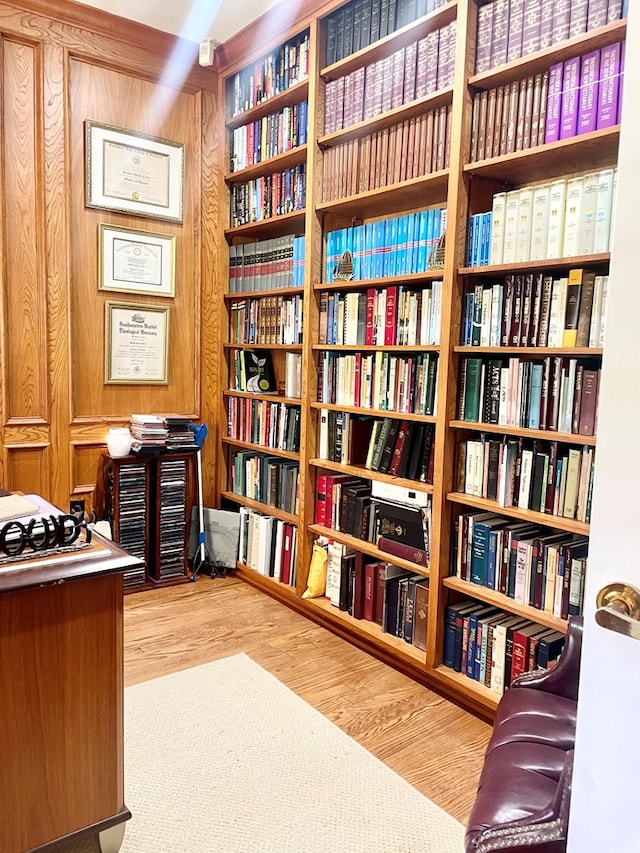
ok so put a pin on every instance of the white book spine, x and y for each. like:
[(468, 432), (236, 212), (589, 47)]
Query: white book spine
[(496, 315), (509, 252), (525, 211), (485, 327), (525, 479), (522, 555), (557, 207), (504, 396), (594, 328), (586, 236), (603, 310), (573, 216), (614, 193), (540, 222), (497, 228)]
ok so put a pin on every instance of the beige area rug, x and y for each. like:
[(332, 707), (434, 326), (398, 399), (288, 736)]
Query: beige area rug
[(223, 758)]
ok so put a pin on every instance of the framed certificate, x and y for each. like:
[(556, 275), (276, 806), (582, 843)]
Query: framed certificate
[(137, 344), (133, 172), (132, 261)]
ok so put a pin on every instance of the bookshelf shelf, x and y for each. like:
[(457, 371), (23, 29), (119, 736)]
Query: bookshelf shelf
[(371, 631), (260, 294), (415, 193), (367, 548), (542, 59), (532, 352), (294, 157), (259, 448), (387, 119), (375, 348), (276, 226), (481, 694), (375, 413), (505, 602), (414, 31), (601, 260), (272, 398), (414, 280), (597, 149), (293, 95), (543, 434), (283, 347), (267, 509), (368, 474), (554, 521)]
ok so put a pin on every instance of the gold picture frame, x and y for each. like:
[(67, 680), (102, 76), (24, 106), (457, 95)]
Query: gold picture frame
[(136, 344), (135, 261)]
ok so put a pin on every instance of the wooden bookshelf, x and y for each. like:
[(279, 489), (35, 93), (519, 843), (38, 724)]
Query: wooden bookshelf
[(259, 294), (462, 188), (260, 448)]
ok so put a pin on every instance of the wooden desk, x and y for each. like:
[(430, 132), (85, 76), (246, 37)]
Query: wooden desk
[(61, 702)]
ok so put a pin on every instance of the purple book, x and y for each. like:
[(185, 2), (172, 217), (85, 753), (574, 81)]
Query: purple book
[(588, 96), (620, 87), (531, 27), (546, 23), (554, 99), (516, 25), (578, 24), (597, 14), (614, 10), (499, 39), (569, 108), (561, 18), (609, 85), (483, 38)]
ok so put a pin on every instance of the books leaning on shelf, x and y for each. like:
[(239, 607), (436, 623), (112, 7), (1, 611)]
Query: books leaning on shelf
[(264, 422), (268, 545), (401, 245), (557, 394), (564, 218), (269, 136), (528, 473), (252, 371), (268, 196), (267, 264), (399, 448), (568, 99), (537, 310), (395, 599), (504, 34), (266, 320), (492, 647)]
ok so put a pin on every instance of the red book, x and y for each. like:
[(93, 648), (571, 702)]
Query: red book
[(359, 586), (589, 402), (397, 450), (390, 318), (401, 549), (370, 590), (321, 499), (520, 658), (287, 543), (371, 303)]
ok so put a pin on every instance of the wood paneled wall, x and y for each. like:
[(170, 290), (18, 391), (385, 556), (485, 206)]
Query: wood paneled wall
[(61, 64)]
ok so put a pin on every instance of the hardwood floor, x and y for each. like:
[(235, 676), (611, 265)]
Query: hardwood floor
[(432, 743)]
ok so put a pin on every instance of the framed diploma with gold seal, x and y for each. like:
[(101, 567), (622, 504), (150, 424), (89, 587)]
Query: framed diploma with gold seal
[(137, 344), (133, 172), (133, 261)]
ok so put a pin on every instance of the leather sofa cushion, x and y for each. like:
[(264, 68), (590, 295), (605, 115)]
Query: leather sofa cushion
[(535, 717)]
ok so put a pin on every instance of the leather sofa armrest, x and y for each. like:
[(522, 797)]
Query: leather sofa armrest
[(563, 679), (543, 832)]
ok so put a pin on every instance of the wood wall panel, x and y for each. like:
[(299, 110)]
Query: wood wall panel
[(58, 68), (26, 468), (24, 285)]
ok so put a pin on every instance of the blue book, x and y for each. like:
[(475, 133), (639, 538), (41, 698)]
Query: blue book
[(357, 244), (423, 237), (453, 632), (378, 248), (431, 238), (402, 250), (328, 264), (367, 265), (535, 394), (412, 247), (475, 249), (470, 235), (472, 640)]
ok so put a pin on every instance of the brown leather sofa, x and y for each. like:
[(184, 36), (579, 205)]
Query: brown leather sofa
[(523, 797)]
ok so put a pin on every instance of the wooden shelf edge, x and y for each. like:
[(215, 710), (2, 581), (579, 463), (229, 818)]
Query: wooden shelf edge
[(542, 434), (374, 413), (293, 95), (270, 398), (410, 280), (265, 509), (368, 474), (491, 596), (259, 294), (367, 548), (292, 157), (238, 444), (537, 266), (533, 352), (286, 223), (554, 521), (285, 347), (400, 348), (392, 195)]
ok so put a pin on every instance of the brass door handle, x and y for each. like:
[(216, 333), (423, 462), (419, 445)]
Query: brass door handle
[(619, 609)]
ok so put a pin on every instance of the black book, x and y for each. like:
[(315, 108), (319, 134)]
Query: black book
[(417, 450), (400, 523), (390, 443), (381, 443), (332, 25)]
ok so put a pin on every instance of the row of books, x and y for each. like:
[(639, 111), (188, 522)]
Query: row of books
[(565, 218), (388, 445), (536, 310), (268, 479), (267, 264), (400, 245), (399, 153), (269, 136), (268, 196), (156, 433), (268, 545), (283, 67), (493, 647), (379, 381), (528, 473), (412, 72), (382, 316), (267, 320), (362, 22), (578, 96), (510, 29), (263, 422), (252, 371), (395, 599), (557, 394), (531, 564)]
